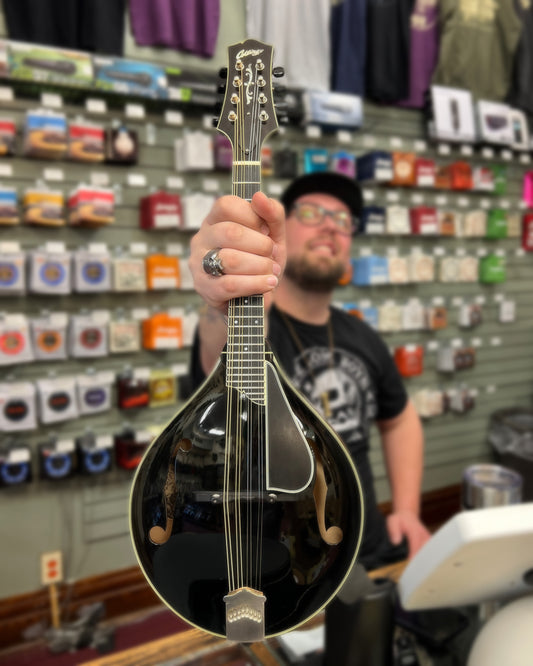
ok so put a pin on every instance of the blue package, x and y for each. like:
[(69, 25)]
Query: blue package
[(375, 166)]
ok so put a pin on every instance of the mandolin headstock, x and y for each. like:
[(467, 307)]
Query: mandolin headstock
[(248, 114)]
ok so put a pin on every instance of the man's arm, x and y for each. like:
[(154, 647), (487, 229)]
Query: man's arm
[(402, 439)]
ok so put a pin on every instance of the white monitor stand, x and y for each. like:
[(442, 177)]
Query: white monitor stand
[(477, 556)]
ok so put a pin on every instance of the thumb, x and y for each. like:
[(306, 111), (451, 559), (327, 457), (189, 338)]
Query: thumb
[(272, 212)]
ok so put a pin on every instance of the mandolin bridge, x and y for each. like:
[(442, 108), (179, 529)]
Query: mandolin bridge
[(245, 615)]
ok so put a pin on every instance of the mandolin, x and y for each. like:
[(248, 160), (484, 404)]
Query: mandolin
[(246, 512)]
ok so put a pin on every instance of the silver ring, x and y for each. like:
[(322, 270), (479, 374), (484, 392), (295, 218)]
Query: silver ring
[(212, 263)]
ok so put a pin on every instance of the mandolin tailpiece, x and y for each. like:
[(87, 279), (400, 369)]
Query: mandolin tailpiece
[(245, 615)]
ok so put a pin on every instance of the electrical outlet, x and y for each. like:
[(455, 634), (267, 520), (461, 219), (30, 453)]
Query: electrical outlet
[(51, 567)]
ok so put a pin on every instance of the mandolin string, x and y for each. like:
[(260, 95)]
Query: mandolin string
[(260, 368), (227, 466)]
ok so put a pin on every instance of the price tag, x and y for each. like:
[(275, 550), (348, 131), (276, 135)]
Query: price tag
[(476, 342), (491, 388), (97, 248), (136, 180), (463, 202), (210, 185), (344, 136), (432, 345), (481, 300), (313, 132), (369, 140), (6, 94), (99, 179), (466, 150), (520, 252), (96, 105), (175, 94), (135, 111), (393, 196), (506, 155), (444, 149), (207, 122), (441, 200), (420, 146), (488, 153), (8, 247), (275, 189), (457, 301), (524, 159), (174, 117), (396, 142), (175, 249), (456, 343), (504, 203), (52, 101), (55, 247), (439, 251), (138, 248), (6, 170), (175, 183), (496, 341), (417, 198), (139, 314), (369, 195), (54, 174)]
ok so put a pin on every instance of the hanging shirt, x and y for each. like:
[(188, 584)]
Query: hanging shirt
[(521, 93), (477, 46), (299, 33), (183, 25), (387, 65), (424, 50), (348, 46), (86, 25)]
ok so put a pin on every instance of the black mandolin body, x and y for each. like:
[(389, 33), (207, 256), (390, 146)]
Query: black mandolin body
[(183, 483)]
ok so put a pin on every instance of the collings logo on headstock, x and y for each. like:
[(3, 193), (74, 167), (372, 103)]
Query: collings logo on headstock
[(250, 52)]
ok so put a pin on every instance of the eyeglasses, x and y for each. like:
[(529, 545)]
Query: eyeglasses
[(312, 215)]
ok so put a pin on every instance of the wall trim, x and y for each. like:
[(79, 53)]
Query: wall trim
[(126, 591)]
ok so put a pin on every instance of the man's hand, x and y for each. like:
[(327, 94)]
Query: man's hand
[(251, 238), (407, 524)]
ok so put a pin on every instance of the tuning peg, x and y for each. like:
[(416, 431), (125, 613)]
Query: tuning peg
[(281, 107), (279, 89), (221, 89), (214, 121), (278, 72), (223, 72)]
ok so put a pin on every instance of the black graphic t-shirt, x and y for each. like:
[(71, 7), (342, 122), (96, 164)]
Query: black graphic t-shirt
[(362, 385)]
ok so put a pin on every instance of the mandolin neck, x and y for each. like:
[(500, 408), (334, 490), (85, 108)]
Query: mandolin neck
[(245, 370)]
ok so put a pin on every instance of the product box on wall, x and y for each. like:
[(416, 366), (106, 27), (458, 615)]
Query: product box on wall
[(452, 115), (52, 65)]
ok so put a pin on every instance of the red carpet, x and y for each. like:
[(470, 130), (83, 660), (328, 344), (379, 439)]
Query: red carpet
[(155, 624)]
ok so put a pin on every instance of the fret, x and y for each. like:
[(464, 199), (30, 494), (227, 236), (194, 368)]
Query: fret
[(245, 353)]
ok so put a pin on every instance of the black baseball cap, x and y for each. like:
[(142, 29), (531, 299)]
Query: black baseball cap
[(335, 184)]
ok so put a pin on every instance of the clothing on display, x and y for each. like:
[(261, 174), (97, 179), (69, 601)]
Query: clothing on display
[(388, 38), (424, 50), (87, 25), (300, 32), (183, 25), (478, 42), (348, 44)]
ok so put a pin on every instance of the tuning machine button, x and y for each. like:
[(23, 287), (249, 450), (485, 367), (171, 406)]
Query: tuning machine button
[(278, 72)]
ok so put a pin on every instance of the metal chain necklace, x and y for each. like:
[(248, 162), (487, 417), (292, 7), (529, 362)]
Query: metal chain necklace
[(324, 397)]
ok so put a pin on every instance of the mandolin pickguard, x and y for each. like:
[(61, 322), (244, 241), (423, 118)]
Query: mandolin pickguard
[(299, 571)]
